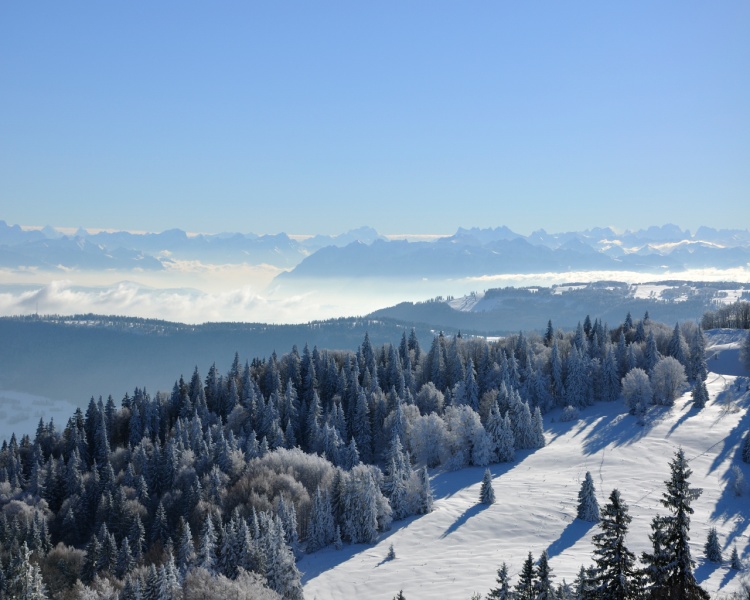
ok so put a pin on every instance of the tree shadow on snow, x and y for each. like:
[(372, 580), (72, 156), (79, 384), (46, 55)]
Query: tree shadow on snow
[(446, 483), (728, 576), (464, 517), (733, 440), (312, 565), (705, 569), (575, 530), (620, 430)]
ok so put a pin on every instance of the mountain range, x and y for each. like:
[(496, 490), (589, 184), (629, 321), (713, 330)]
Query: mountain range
[(365, 252)]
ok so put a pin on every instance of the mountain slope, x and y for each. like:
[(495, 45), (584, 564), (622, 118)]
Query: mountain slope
[(456, 550)]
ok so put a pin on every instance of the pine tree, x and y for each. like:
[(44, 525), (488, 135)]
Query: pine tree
[(320, 528), (426, 498), (185, 547), (500, 432), (543, 578), (699, 394), (697, 367), (677, 346), (735, 561), (524, 588), (487, 493), (617, 577), (537, 425), (679, 581), (712, 549), (502, 591), (207, 547), (588, 507)]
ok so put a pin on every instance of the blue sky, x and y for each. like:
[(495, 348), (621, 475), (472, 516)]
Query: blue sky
[(412, 117)]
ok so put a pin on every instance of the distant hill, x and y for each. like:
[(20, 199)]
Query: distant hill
[(505, 310), (73, 358)]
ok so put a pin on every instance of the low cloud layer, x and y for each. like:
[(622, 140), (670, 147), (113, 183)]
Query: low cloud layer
[(197, 293)]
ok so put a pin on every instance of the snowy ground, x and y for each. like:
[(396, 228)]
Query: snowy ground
[(456, 550)]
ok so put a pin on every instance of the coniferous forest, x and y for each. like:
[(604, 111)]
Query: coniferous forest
[(216, 488)]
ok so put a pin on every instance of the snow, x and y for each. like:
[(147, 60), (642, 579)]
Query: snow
[(723, 351), (457, 549), (646, 291)]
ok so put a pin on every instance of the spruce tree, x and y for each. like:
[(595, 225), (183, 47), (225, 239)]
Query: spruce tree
[(712, 549), (678, 578), (735, 561), (487, 493), (617, 577), (502, 591), (588, 507), (524, 588), (543, 589)]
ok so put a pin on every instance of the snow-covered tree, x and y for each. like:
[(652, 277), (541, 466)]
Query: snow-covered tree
[(320, 529), (745, 352), (207, 546), (502, 591), (699, 394), (675, 577), (637, 391), (697, 367), (486, 492), (588, 507), (678, 348), (524, 588), (712, 548), (543, 579), (667, 380), (501, 435), (735, 561), (617, 573)]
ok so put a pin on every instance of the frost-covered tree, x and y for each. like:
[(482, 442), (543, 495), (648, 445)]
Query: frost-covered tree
[(320, 529), (676, 577), (425, 497), (486, 492), (735, 561), (502, 590), (537, 425), (745, 352), (524, 588), (543, 587), (678, 348), (651, 355), (637, 391), (588, 507), (697, 368), (667, 380), (699, 394), (617, 573), (712, 548), (207, 546), (501, 435)]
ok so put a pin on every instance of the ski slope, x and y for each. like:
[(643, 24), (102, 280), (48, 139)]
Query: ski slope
[(456, 550)]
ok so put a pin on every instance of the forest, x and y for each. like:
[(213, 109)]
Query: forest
[(217, 487)]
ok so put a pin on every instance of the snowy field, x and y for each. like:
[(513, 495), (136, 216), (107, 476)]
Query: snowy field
[(456, 550)]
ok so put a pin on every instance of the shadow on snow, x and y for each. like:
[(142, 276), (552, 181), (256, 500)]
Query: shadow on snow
[(575, 530), (465, 516)]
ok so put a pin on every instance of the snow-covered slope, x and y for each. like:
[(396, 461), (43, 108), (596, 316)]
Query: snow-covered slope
[(456, 550)]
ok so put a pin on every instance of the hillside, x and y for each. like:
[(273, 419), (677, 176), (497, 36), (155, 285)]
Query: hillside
[(456, 550), (499, 311)]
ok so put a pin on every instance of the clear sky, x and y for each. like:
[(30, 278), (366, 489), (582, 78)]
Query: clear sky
[(412, 117)]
